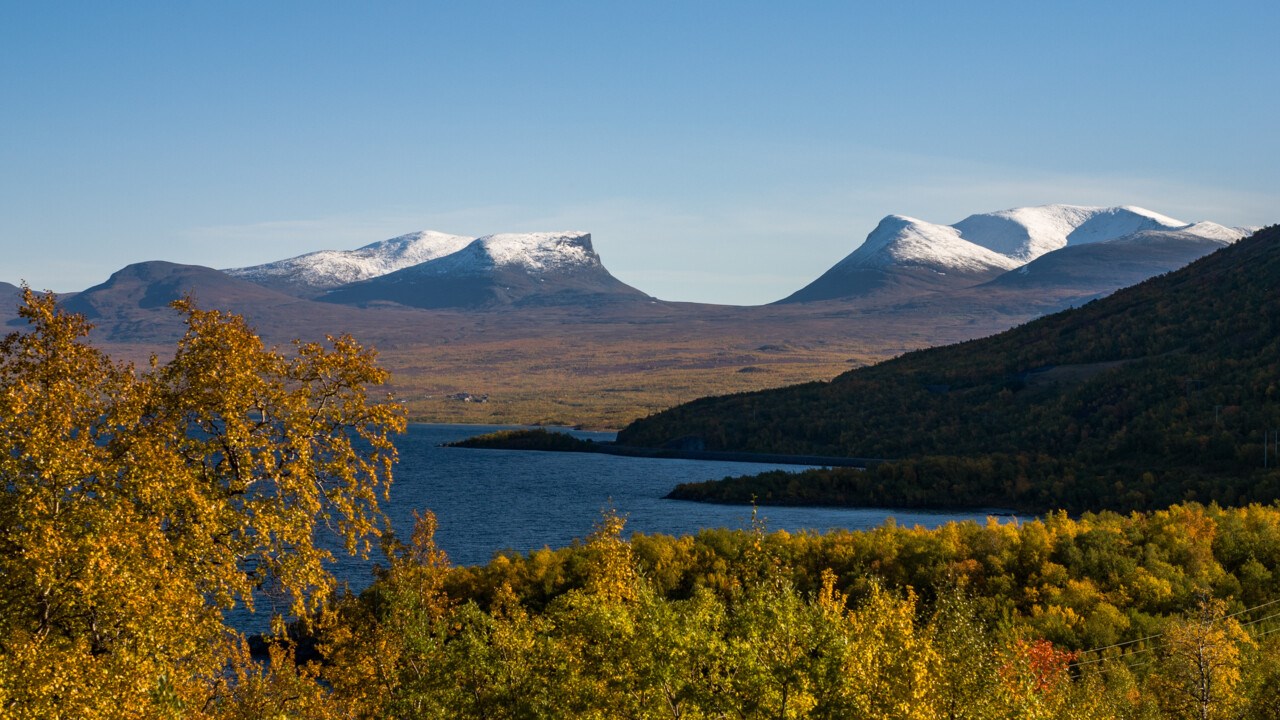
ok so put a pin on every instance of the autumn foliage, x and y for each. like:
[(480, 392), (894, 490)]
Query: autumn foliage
[(750, 624), (140, 506)]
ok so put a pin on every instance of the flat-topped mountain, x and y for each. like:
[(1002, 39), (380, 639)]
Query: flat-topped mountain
[(512, 268), (904, 256), (314, 273)]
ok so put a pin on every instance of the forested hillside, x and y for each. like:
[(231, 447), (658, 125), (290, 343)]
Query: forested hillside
[(1161, 392)]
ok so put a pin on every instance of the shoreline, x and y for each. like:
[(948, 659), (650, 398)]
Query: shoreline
[(736, 456), (541, 440)]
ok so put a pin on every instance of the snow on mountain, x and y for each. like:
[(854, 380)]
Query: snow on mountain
[(1080, 272), (902, 240), (904, 255), (1214, 231), (548, 268), (1010, 238), (1004, 239), (325, 269), (533, 253), (1026, 233)]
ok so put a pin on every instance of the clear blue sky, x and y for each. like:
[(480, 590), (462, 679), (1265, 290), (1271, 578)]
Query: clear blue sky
[(718, 151)]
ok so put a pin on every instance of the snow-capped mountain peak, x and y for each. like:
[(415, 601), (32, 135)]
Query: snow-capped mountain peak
[(1005, 239), (905, 255), (542, 268), (902, 240), (1026, 233), (533, 253), (1111, 223), (541, 251), (326, 269)]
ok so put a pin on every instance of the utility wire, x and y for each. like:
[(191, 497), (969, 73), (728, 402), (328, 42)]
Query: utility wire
[(1156, 646), (1249, 610), (1148, 661), (1254, 622)]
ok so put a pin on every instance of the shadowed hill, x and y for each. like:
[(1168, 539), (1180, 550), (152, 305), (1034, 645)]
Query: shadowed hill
[(133, 304), (1103, 266)]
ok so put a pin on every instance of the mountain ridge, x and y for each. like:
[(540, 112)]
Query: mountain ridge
[(496, 270), (580, 356), (1118, 262), (315, 272), (907, 256)]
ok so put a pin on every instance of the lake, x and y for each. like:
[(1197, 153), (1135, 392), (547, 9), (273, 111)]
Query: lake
[(488, 501)]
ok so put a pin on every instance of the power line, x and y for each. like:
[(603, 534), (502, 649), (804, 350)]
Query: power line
[(1156, 646), (1249, 610), (1129, 642), (1253, 622), (1265, 633)]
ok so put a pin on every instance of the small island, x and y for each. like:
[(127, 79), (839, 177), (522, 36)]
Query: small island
[(681, 449), (528, 439)]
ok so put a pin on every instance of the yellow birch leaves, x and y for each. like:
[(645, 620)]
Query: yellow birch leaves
[(138, 506)]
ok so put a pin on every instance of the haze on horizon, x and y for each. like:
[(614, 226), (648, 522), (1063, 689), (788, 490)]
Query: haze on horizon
[(718, 152)]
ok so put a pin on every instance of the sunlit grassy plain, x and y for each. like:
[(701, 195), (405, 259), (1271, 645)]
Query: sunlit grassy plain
[(598, 368), (602, 386)]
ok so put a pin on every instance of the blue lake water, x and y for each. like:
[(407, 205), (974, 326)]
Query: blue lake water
[(488, 501)]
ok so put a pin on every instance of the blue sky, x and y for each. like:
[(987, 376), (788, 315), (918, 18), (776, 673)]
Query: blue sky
[(719, 152)]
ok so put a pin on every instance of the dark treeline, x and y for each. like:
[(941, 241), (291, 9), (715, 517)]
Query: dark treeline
[(1027, 483)]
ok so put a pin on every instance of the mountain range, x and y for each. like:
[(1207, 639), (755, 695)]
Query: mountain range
[(1028, 247), (1050, 250), (905, 256), (538, 323)]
